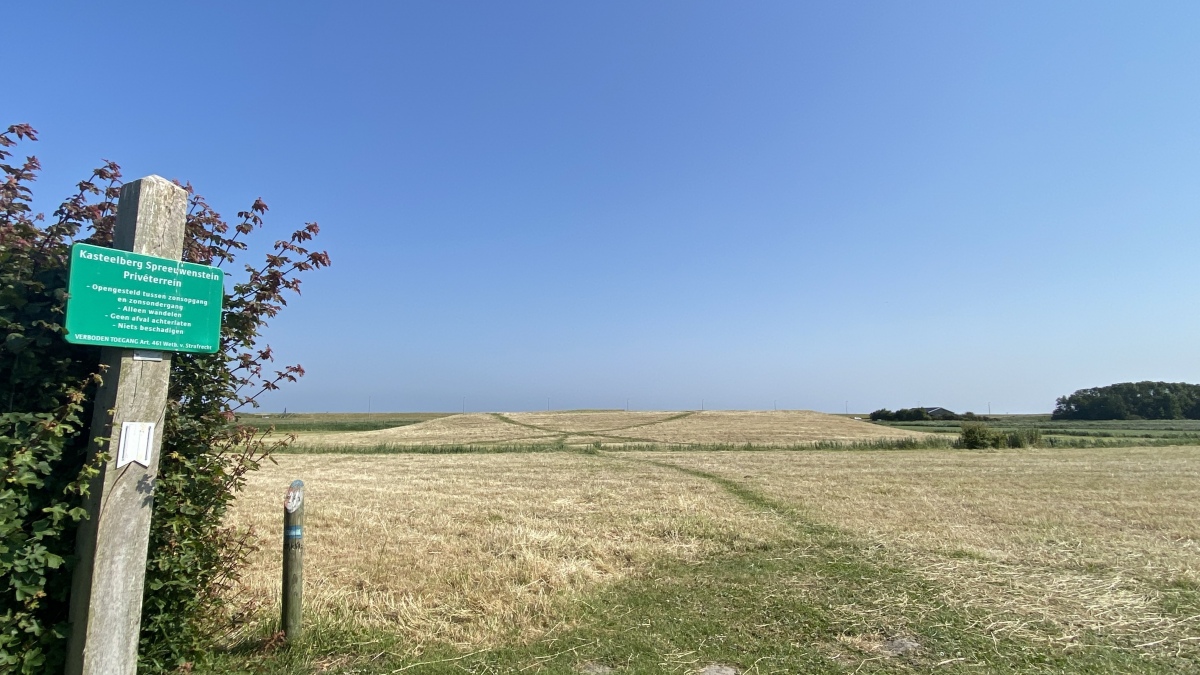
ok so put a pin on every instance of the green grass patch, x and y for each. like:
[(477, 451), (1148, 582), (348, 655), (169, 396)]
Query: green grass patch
[(1075, 433), (808, 605), (1181, 597), (1045, 423)]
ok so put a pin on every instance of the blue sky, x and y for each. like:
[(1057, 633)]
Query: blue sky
[(740, 205)]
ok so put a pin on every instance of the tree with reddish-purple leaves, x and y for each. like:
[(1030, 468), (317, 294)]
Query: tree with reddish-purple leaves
[(46, 386)]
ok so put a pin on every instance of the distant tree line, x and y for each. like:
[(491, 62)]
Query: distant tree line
[(1132, 401), (901, 415), (920, 415)]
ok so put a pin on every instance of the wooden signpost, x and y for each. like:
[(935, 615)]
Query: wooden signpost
[(106, 595)]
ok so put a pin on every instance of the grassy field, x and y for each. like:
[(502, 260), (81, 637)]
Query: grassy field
[(300, 423), (473, 432), (613, 428), (1078, 432), (561, 561)]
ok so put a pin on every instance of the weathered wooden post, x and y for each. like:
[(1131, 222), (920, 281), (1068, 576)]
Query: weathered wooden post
[(293, 559), (140, 303), (106, 594)]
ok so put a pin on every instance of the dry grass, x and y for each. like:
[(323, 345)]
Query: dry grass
[(593, 421), (1079, 540), (335, 418), (469, 429), (772, 428), (778, 427), (478, 548), (1061, 546)]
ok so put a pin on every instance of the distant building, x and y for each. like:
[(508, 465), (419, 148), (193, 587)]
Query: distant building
[(940, 413)]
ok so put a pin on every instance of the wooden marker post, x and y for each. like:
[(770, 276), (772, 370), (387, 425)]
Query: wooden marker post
[(293, 559), (106, 595)]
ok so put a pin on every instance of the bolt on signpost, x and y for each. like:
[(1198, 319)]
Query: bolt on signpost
[(293, 559), (138, 302)]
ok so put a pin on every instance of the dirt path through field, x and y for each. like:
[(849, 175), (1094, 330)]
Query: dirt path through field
[(617, 427)]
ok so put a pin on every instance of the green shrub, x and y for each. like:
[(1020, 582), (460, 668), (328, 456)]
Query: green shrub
[(912, 415), (975, 436), (45, 413), (1024, 438)]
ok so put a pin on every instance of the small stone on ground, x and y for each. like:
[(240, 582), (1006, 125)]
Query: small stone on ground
[(593, 668), (715, 669), (900, 645)]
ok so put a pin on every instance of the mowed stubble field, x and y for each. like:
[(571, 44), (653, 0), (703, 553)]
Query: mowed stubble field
[(765, 560), (616, 428)]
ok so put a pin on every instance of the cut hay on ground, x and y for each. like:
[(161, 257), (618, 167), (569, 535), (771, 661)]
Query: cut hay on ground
[(474, 549), (776, 428), (1087, 540), (724, 427), (1059, 545)]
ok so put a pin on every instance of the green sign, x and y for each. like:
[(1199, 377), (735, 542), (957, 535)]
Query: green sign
[(123, 299)]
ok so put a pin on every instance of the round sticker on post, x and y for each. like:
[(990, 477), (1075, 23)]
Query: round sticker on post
[(295, 496)]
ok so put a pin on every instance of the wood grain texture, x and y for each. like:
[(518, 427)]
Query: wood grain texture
[(106, 596)]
